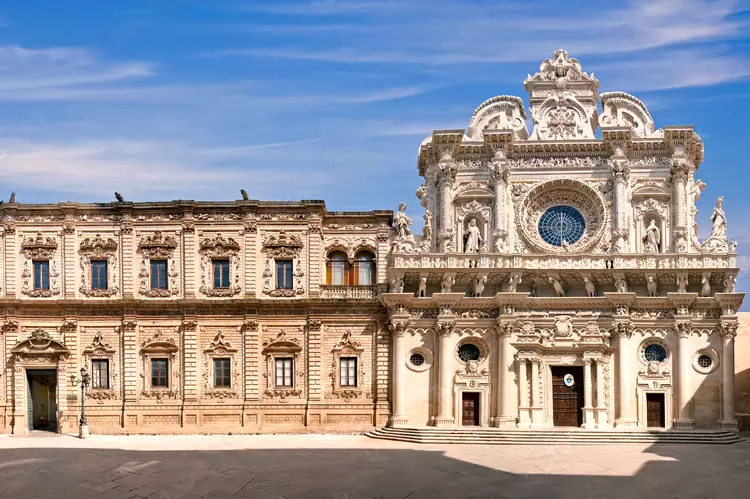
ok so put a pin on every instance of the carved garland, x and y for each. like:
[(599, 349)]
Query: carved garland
[(39, 248), (282, 247), (158, 247), (97, 248), (282, 347), (347, 348), (100, 350), (219, 248), (221, 348)]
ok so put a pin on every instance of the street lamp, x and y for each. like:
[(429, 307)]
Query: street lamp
[(84, 382)]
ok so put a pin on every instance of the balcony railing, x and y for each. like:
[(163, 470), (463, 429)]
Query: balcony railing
[(346, 292)]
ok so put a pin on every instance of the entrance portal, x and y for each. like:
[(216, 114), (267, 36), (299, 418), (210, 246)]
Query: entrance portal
[(567, 395), (470, 409), (655, 410), (42, 399)]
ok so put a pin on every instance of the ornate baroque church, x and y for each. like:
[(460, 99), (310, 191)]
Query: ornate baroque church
[(558, 281)]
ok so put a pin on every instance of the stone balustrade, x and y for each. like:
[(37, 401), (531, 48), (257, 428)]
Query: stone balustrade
[(348, 292)]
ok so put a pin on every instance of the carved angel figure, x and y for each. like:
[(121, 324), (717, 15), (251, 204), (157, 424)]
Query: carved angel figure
[(402, 222), (719, 219), (651, 238), (473, 238)]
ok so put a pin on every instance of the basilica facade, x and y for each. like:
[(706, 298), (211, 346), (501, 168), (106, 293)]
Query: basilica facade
[(558, 280)]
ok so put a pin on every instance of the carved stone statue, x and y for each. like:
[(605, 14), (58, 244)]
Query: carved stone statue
[(513, 283), (533, 289), (729, 283), (651, 286), (719, 220), (705, 287), (422, 290), (401, 222), (479, 286), (422, 195), (590, 286), (557, 285), (682, 282), (447, 285), (427, 229), (621, 285), (473, 238), (652, 238)]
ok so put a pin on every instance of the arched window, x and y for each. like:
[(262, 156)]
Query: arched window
[(364, 269), (338, 269)]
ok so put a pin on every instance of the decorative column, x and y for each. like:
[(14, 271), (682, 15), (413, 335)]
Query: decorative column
[(680, 169), (314, 359), (446, 180), (621, 178), (626, 388), (127, 244), (684, 393), (445, 417), (536, 394), (507, 406), (382, 374), (398, 416), (728, 332), (500, 175), (524, 419), (588, 406), (601, 406)]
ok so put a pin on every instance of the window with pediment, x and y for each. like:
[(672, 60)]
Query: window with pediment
[(101, 361), (282, 273), (160, 373), (282, 373), (220, 266), (40, 276), (347, 369), (221, 370), (158, 273), (99, 261)]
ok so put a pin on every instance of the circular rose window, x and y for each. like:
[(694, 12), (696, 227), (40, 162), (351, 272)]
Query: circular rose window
[(561, 225)]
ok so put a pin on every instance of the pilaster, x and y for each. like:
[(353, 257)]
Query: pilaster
[(728, 329), (589, 415), (251, 264), (537, 415), (189, 262), (315, 332), (130, 359), (9, 251), (69, 261), (444, 328), (189, 329), (250, 355), (524, 418), (382, 374), (127, 242), (398, 326)]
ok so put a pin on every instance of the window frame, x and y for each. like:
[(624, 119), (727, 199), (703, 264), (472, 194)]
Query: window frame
[(167, 380), (229, 384), (154, 262), (288, 274), (42, 274), (224, 266), (359, 264), (96, 374), (288, 381), (350, 378), (96, 281)]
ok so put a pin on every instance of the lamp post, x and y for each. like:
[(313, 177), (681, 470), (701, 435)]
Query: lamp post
[(84, 382)]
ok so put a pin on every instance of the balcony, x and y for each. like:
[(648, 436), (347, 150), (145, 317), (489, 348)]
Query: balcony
[(349, 292)]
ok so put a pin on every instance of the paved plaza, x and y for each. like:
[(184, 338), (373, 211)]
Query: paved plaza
[(353, 466)]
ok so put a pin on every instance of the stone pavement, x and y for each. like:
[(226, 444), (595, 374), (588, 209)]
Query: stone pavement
[(353, 466)]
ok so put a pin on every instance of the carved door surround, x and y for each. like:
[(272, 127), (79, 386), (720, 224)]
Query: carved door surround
[(38, 351)]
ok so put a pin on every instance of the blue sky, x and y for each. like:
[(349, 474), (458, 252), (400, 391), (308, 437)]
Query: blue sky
[(329, 99)]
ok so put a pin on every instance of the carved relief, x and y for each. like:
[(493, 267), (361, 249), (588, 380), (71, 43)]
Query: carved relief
[(40, 248), (219, 248), (282, 247), (98, 248), (220, 348), (158, 247)]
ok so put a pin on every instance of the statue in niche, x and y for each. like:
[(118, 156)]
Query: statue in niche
[(719, 219), (651, 238), (402, 222), (473, 238)]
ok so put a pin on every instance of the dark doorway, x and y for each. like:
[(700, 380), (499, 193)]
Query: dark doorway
[(567, 395), (42, 399), (470, 409), (655, 410)]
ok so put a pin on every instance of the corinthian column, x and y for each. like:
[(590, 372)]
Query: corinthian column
[(446, 180), (684, 421), (398, 418), (626, 388), (507, 407), (680, 169), (445, 376), (500, 174), (523, 390), (728, 332), (621, 178)]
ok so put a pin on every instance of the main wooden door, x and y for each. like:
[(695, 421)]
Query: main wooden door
[(655, 410), (567, 395), (470, 409)]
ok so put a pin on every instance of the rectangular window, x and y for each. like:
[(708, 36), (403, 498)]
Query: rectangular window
[(221, 274), (348, 371), (284, 373), (100, 373), (284, 274), (222, 373), (98, 274), (158, 274), (159, 374), (41, 274)]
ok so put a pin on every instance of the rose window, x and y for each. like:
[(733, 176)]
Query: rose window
[(468, 352), (655, 353), (561, 225)]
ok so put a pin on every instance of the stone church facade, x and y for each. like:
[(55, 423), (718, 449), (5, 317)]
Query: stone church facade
[(558, 281)]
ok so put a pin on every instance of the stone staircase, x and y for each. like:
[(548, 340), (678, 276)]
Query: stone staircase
[(571, 436)]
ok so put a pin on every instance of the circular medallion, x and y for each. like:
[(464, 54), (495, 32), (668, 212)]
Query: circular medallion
[(561, 225), (569, 380)]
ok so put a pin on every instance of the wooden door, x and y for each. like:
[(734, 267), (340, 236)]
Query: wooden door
[(470, 409), (567, 396), (655, 410)]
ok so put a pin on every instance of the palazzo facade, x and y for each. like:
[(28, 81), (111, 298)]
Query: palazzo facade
[(558, 280)]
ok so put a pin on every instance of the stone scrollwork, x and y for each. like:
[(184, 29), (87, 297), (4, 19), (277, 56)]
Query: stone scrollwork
[(158, 246), (40, 247), (160, 346), (282, 247), (219, 248), (98, 248), (282, 346), (221, 348), (347, 347), (99, 349)]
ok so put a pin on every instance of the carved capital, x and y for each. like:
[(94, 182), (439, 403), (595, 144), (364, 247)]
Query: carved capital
[(250, 325), (624, 329), (398, 327), (129, 325), (679, 169), (445, 328), (314, 324), (682, 329), (189, 324), (728, 330)]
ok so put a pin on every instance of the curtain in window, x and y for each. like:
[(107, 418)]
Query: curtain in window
[(365, 269), (338, 269)]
